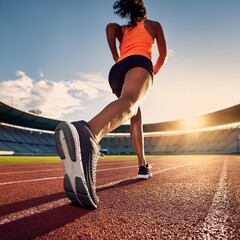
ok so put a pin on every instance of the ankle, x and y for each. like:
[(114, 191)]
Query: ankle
[(142, 162)]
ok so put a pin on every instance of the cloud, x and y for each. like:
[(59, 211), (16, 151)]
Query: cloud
[(54, 98)]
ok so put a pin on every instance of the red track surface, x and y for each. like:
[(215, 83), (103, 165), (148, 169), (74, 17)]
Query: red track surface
[(189, 197)]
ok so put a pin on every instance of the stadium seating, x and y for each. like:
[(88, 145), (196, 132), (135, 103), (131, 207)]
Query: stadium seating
[(207, 141), (17, 141), (27, 140)]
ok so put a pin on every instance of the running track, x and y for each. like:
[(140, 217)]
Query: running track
[(189, 197)]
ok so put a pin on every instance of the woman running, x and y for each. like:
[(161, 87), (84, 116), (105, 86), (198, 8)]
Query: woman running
[(130, 78)]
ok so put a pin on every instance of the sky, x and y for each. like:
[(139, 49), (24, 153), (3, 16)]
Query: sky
[(54, 57)]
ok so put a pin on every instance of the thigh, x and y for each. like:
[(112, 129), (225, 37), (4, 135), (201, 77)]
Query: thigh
[(136, 85), (122, 70)]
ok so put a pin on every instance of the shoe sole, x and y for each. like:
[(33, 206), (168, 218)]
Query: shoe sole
[(74, 183), (144, 176)]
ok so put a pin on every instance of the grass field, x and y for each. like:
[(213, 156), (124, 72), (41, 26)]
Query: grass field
[(55, 159), (50, 159), (29, 159)]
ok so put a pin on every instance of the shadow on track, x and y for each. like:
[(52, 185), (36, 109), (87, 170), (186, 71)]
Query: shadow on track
[(119, 184), (23, 205), (40, 223)]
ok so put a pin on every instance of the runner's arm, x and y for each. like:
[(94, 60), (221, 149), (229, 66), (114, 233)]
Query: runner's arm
[(113, 31), (162, 48)]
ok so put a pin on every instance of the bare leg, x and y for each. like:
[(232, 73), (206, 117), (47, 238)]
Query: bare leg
[(136, 86), (136, 130)]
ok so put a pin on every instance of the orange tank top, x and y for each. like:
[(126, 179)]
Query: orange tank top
[(136, 40)]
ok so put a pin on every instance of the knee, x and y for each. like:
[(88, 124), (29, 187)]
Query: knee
[(132, 108), (131, 104), (137, 116)]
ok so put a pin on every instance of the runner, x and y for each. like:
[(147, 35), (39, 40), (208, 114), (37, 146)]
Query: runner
[(130, 78)]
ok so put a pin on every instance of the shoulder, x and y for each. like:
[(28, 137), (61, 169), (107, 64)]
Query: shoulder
[(112, 25), (153, 24), (114, 30), (124, 27), (116, 26)]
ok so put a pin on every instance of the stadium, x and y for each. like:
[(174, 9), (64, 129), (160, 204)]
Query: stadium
[(25, 134), (193, 194), (56, 57)]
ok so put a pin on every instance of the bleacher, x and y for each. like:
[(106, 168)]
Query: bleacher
[(17, 141), (35, 136), (207, 141)]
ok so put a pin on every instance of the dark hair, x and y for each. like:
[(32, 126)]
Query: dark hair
[(133, 8)]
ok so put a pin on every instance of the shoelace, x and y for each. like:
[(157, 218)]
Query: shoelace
[(95, 155)]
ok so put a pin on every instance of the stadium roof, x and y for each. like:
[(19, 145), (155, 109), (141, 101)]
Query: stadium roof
[(223, 117), (16, 117)]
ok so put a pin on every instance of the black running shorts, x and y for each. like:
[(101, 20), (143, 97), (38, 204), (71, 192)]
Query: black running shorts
[(118, 71)]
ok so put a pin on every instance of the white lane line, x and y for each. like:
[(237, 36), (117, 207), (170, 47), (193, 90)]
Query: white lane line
[(32, 171), (173, 168), (215, 225), (117, 162), (53, 178), (31, 180), (63, 201), (34, 210), (54, 169), (99, 170), (153, 172), (116, 168)]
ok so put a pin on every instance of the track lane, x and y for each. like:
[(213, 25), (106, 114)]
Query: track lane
[(175, 207)]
